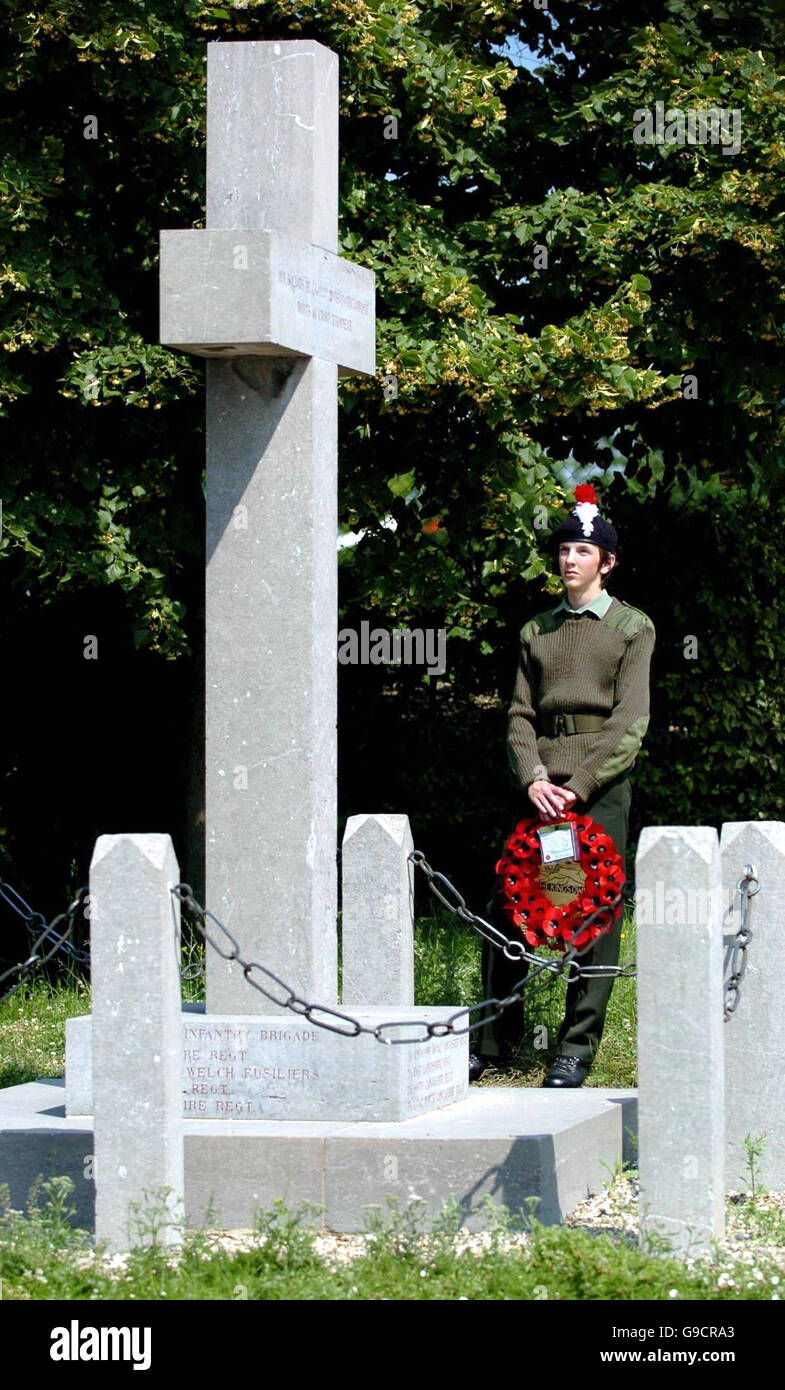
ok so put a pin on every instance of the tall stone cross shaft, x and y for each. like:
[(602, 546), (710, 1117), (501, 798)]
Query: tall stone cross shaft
[(263, 295)]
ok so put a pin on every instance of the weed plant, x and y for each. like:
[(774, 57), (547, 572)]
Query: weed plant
[(407, 1258)]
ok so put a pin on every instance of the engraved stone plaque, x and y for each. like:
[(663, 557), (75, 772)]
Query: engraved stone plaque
[(255, 1067)]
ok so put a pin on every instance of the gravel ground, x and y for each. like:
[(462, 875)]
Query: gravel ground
[(613, 1212)]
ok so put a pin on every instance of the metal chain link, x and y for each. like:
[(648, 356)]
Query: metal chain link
[(742, 939), (334, 1020), (192, 972), (516, 950), (541, 971), (50, 935), (33, 920)]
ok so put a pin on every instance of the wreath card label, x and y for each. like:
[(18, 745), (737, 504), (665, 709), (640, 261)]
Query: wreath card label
[(561, 877), (558, 841), (547, 900)]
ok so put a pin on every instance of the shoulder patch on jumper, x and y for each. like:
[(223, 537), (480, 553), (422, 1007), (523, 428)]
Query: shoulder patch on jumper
[(628, 619), (541, 622)]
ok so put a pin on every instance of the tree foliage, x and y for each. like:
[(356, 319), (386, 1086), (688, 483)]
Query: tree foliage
[(546, 285), (456, 167)]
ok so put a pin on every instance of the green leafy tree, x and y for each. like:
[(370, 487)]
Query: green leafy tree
[(554, 299)]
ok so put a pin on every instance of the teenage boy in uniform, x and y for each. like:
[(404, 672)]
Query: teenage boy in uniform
[(579, 711)]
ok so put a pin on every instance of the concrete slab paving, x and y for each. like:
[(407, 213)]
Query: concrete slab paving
[(509, 1143)]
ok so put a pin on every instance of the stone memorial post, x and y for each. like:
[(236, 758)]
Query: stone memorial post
[(755, 1032), (136, 1036), (377, 917), (262, 293), (678, 911)]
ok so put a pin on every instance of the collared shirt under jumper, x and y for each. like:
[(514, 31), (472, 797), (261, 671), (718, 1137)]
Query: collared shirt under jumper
[(592, 660)]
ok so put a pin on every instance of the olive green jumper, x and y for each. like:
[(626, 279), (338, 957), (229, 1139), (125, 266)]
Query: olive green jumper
[(585, 664)]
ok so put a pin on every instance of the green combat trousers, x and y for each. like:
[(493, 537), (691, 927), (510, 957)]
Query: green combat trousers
[(587, 998)]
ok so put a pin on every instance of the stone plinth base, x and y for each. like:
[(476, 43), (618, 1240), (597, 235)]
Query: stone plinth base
[(254, 1067), (509, 1143)]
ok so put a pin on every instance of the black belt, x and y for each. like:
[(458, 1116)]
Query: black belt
[(554, 724)]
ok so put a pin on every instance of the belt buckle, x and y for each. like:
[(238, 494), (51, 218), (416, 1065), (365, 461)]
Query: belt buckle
[(561, 724)]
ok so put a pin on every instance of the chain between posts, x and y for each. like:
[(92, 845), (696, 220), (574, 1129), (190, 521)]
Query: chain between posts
[(48, 937), (541, 969), (516, 950), (33, 920), (470, 1018), (742, 939), (334, 1020)]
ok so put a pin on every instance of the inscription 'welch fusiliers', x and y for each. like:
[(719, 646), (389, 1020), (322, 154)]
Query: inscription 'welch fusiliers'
[(249, 1071)]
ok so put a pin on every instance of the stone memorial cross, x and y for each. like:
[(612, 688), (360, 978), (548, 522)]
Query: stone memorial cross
[(262, 294)]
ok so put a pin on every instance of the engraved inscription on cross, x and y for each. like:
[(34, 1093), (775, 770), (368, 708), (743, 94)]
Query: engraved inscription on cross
[(262, 293)]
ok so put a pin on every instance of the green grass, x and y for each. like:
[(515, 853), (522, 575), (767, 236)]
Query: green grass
[(43, 1257), (446, 961), (32, 1028)]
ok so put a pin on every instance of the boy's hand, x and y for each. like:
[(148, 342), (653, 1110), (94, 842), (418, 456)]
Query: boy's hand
[(568, 797), (551, 801)]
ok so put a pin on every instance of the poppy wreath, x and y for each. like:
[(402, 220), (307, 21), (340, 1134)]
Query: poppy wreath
[(541, 922)]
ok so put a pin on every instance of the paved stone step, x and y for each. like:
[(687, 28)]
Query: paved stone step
[(511, 1143)]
